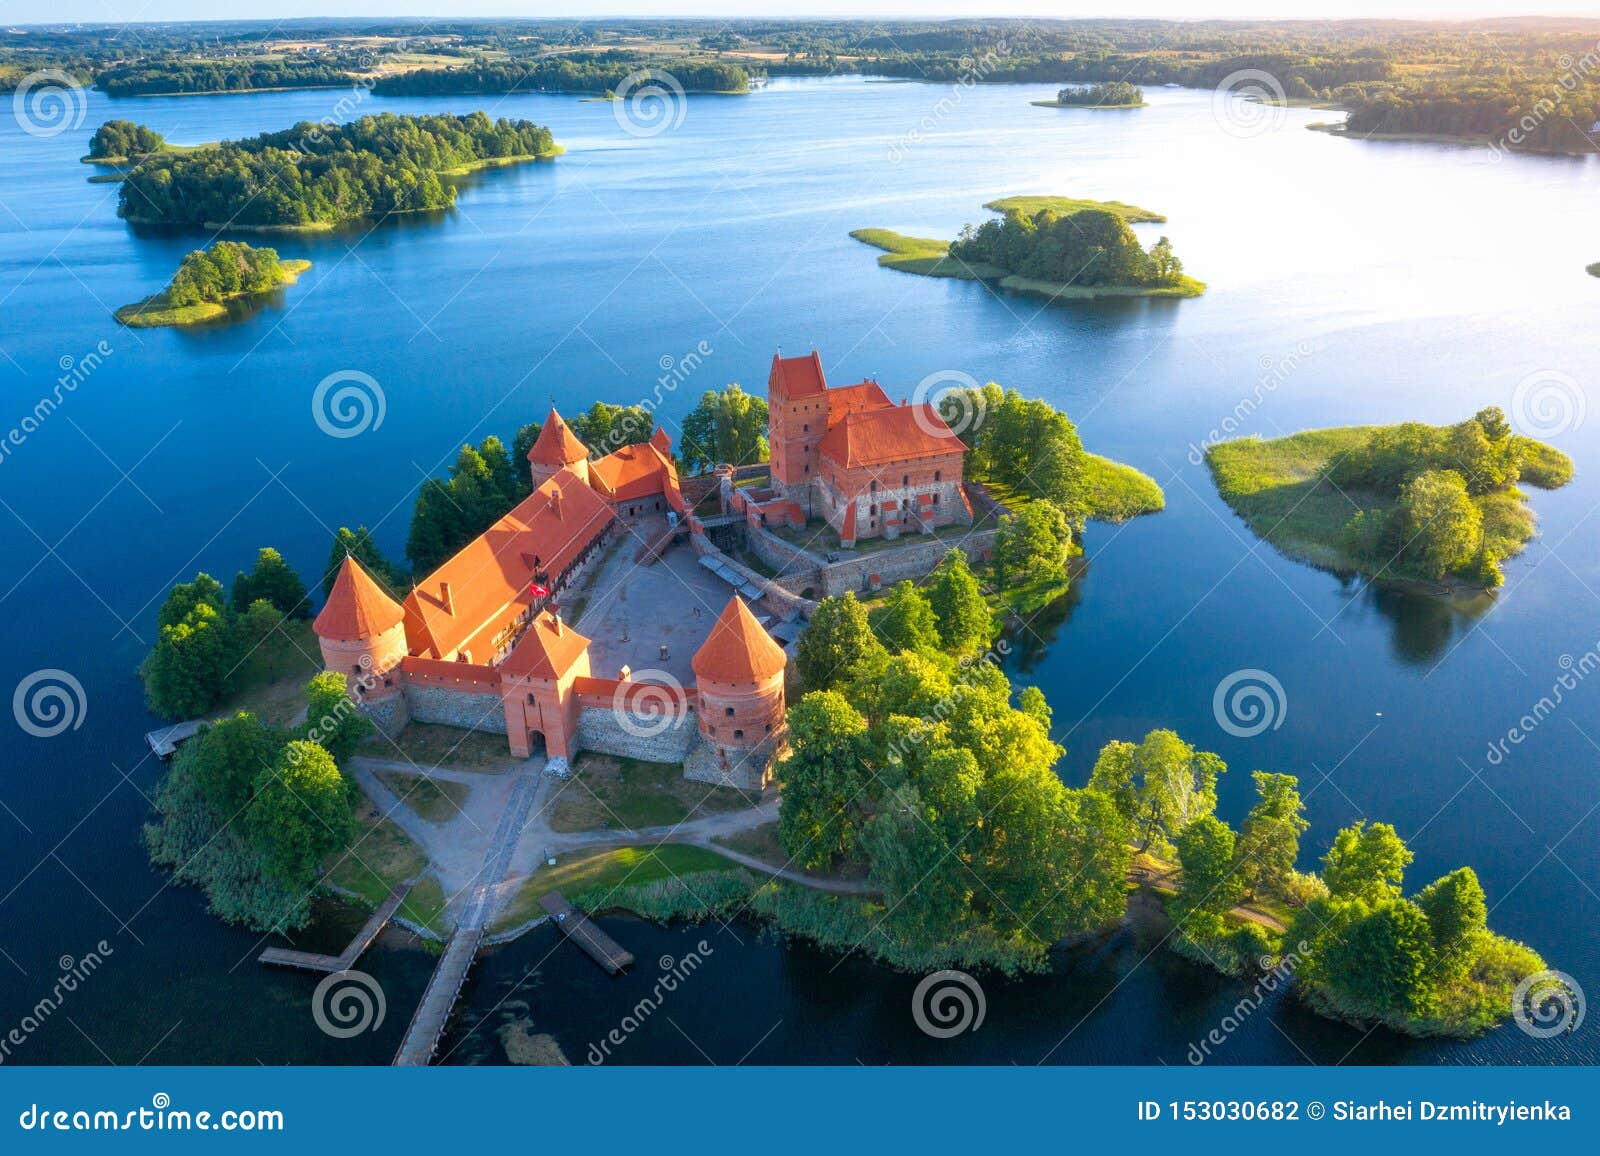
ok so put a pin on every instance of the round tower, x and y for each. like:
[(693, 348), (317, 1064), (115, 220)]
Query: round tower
[(739, 687), (362, 634), (556, 448)]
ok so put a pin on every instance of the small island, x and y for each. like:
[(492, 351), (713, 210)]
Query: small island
[(1059, 248), (1412, 502), (1114, 94), (1593, 270), (207, 280), (316, 177)]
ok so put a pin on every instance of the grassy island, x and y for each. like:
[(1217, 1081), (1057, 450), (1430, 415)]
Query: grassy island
[(315, 177), (1116, 94), (1593, 270), (1438, 504), (207, 280), (1059, 248)]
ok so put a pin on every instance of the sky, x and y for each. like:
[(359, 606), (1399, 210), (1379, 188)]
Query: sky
[(123, 11)]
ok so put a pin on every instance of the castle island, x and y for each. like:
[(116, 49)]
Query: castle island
[(481, 643)]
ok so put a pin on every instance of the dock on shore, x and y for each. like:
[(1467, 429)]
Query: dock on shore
[(577, 927)]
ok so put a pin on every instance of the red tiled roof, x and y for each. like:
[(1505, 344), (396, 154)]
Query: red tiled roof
[(556, 444), (899, 433), (357, 607), (547, 649), (469, 602), (635, 471), (844, 400), (797, 376), (738, 649)]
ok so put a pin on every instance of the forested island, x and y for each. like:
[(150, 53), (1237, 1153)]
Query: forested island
[(183, 77), (315, 176), (1060, 248), (1439, 504), (1116, 94), (121, 142), (207, 280)]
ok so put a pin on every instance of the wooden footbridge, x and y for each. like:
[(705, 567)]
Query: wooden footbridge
[(438, 999), (346, 959)]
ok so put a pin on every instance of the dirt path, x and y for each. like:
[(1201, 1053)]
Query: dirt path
[(1167, 878)]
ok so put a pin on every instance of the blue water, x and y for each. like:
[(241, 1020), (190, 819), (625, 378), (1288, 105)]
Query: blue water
[(1396, 281)]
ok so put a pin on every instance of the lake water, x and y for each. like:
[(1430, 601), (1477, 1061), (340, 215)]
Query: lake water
[(1365, 281)]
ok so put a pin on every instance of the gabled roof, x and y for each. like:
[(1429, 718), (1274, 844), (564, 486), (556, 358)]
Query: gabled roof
[(877, 437), (796, 376), (547, 649), (634, 471), (844, 400), (556, 444), (357, 607), (738, 650), (467, 603)]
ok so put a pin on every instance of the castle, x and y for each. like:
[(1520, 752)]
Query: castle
[(480, 643)]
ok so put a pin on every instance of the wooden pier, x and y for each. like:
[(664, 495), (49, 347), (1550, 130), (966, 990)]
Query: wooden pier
[(164, 743), (444, 988), (604, 950), (346, 959)]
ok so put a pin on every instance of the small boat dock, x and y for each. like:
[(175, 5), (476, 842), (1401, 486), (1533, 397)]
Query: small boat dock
[(577, 927), (164, 741), (346, 959)]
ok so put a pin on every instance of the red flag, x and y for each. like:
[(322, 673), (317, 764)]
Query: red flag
[(538, 591)]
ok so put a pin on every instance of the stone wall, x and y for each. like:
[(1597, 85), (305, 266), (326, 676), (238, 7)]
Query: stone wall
[(389, 714), (788, 560), (746, 769), (912, 558), (600, 730), (468, 710)]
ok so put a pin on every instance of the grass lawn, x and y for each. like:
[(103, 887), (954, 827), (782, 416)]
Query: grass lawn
[(436, 800), (271, 681), (431, 745), (155, 311), (381, 856), (594, 874), (1277, 487), (762, 842), (1063, 206), (1117, 492), (631, 794)]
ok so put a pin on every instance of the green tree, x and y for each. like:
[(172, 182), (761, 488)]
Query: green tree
[(824, 780), (907, 622), (607, 428), (1366, 863), (225, 759), (728, 425), (1031, 546), (185, 596), (359, 544), (1442, 525), (964, 623), (191, 666), (332, 717), (1269, 841), (1458, 917), (836, 639), (1210, 883), (1161, 785), (301, 813), (273, 580), (1382, 961)]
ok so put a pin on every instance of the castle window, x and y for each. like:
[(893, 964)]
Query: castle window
[(530, 699), (936, 499), (769, 728), (388, 682), (355, 668), (361, 690), (738, 734), (873, 486), (905, 479), (728, 710), (805, 428), (938, 475)]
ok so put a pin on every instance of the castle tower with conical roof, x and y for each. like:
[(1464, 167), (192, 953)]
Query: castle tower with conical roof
[(362, 634), (556, 448), (739, 684)]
